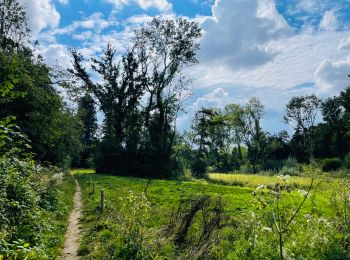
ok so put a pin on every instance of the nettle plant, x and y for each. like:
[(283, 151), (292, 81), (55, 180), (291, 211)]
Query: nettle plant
[(282, 204)]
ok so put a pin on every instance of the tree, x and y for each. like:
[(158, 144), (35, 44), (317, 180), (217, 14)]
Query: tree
[(332, 110), (169, 45), (235, 117), (254, 137), (13, 25), (301, 115), (330, 137), (140, 96), (277, 150), (87, 116), (201, 137)]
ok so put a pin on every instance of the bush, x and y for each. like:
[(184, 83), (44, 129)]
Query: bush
[(29, 204), (347, 161), (273, 165), (199, 168), (331, 164)]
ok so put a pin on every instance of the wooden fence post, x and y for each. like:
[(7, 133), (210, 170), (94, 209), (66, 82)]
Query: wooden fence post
[(102, 200)]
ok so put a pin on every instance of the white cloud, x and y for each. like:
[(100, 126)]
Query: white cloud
[(344, 44), (298, 59), (332, 77), (64, 2), (42, 14), (332, 74), (239, 31), (308, 5), (216, 98), (161, 5), (329, 21), (56, 54), (95, 22)]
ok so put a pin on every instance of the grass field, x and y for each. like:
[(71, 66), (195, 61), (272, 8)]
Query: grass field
[(102, 236)]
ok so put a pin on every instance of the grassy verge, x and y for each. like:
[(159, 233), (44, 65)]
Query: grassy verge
[(136, 227)]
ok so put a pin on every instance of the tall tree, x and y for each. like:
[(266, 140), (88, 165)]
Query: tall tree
[(254, 137), (301, 115), (202, 123), (235, 117), (169, 45), (87, 116), (150, 72)]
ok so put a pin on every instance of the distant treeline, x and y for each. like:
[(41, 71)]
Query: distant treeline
[(232, 138)]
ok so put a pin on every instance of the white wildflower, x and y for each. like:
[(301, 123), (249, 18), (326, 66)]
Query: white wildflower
[(260, 187), (303, 192), (266, 229)]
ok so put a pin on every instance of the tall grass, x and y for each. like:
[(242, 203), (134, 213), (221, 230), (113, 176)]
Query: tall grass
[(252, 181)]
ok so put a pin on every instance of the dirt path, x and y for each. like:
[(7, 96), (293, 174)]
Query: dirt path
[(71, 244)]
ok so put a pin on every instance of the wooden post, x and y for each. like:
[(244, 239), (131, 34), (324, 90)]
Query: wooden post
[(102, 200)]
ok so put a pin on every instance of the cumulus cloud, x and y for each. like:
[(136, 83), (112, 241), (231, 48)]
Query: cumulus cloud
[(238, 33), (216, 98), (161, 5), (332, 76), (42, 14), (329, 21), (56, 54)]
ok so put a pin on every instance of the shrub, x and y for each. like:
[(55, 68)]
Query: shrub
[(199, 168), (273, 165), (331, 164), (28, 200), (347, 161)]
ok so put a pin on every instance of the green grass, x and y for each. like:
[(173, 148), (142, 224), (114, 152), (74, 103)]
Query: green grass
[(166, 195), (82, 171)]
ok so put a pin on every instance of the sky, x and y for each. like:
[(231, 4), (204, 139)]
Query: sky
[(269, 49)]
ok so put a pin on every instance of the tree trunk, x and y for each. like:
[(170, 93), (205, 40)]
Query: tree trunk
[(148, 110)]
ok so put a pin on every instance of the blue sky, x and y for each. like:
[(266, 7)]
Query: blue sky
[(269, 49)]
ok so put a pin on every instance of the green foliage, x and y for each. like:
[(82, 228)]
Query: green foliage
[(331, 164), (141, 97), (13, 26), (31, 213), (38, 109), (87, 116)]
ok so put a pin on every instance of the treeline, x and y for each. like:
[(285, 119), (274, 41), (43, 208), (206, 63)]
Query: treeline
[(232, 139), (139, 95)]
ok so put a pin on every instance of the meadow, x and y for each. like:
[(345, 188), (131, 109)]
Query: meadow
[(145, 219)]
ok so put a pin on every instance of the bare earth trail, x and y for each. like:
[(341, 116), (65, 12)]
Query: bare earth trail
[(71, 244)]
